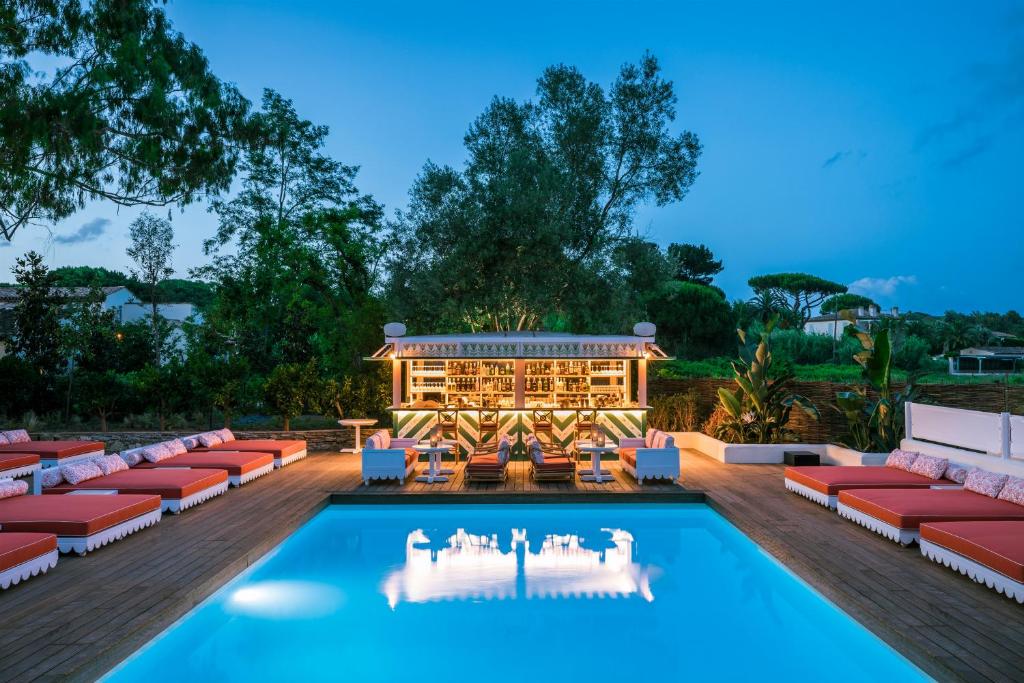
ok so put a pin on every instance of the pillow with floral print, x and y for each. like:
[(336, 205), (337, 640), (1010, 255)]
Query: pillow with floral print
[(109, 464), (225, 435), (984, 482), (9, 488), (929, 466), (18, 436), (191, 441), (504, 450), (901, 459), (77, 472), (158, 452), (1013, 490), (132, 456), (177, 446), (3, 439), (209, 439), (50, 477), (956, 473)]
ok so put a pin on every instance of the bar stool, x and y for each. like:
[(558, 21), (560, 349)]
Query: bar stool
[(448, 426), (488, 423), (585, 422), (542, 426)]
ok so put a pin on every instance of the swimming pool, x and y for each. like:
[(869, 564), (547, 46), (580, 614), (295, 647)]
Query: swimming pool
[(513, 592)]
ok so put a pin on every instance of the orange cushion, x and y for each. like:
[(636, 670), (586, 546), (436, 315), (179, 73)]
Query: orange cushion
[(17, 548), (832, 480), (53, 449), (411, 456), (997, 545), (554, 464), (235, 464), (168, 484), (10, 461), (628, 455), (280, 449), (909, 508), (72, 515)]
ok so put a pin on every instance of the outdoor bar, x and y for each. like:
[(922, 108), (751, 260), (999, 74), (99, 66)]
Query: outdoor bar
[(479, 387)]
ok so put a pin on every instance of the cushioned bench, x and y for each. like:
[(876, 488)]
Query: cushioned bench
[(54, 453), (14, 465), (24, 555), (179, 489), (284, 452), (990, 552), (241, 467), (823, 484)]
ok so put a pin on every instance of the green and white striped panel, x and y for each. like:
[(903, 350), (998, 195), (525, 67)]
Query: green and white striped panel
[(414, 424), (510, 423), (563, 427), (622, 423), (468, 431)]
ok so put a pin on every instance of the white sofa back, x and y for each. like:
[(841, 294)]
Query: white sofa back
[(992, 441)]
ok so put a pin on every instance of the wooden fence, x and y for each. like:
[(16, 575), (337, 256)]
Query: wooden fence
[(995, 398)]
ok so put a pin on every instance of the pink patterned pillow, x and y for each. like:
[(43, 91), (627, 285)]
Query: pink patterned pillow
[(9, 488), (1013, 491), (209, 439), (191, 441), (901, 459), (157, 452), (132, 456), (956, 473), (177, 446), (18, 436), (77, 472), (986, 483), (3, 439), (225, 435), (929, 466), (51, 477), (109, 464)]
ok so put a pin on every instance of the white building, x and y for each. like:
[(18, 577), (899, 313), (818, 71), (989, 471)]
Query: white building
[(833, 324)]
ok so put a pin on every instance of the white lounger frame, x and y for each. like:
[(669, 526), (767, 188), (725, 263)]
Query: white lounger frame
[(235, 480), (25, 471), (831, 501), (288, 459), (651, 463), (902, 536), (84, 544), (976, 571), (26, 570), (176, 506), (55, 462)]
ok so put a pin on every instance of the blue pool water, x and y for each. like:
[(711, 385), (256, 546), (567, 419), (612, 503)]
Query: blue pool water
[(511, 593)]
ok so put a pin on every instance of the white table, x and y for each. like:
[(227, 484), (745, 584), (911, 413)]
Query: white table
[(595, 474), (433, 474), (358, 423)]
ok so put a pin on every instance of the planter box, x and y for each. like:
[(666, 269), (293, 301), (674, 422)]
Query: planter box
[(772, 454)]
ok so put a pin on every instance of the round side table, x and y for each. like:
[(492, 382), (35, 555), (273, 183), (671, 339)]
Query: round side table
[(358, 423)]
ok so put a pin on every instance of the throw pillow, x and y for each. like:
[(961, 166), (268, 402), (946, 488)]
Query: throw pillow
[(191, 441), (9, 488), (3, 439), (956, 473), (1013, 491), (77, 472), (109, 464), (929, 466), (225, 435), (18, 436), (133, 456), (51, 477), (209, 439), (504, 450), (157, 452), (984, 482), (176, 446), (901, 459)]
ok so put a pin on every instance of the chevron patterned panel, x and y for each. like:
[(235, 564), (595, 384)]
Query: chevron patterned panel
[(563, 427), (469, 431), (622, 423), (414, 424), (510, 423)]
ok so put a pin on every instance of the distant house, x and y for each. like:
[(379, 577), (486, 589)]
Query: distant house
[(833, 324), (987, 360)]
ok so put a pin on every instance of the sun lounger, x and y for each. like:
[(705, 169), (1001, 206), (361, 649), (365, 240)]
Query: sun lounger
[(898, 514), (284, 451), (991, 553), (51, 453), (14, 465), (179, 489), (489, 462), (81, 523), (24, 555), (241, 467), (823, 484), (549, 462)]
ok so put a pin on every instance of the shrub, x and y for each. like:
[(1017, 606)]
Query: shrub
[(912, 355), (677, 412), (290, 388)]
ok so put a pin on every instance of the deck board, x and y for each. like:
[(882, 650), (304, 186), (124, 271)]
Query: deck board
[(89, 613)]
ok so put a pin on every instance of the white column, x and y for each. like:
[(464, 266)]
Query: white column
[(396, 383), (641, 382)]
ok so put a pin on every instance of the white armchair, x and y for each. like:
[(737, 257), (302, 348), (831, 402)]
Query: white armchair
[(653, 457), (387, 458)]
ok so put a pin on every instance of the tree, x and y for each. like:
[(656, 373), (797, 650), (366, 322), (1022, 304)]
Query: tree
[(693, 320), (694, 263), (526, 230), (801, 292), (845, 302), (131, 113), (37, 314), (151, 248), (291, 388), (100, 393), (161, 388)]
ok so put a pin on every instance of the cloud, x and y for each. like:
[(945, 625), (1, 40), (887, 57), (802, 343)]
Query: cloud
[(879, 286), (88, 232)]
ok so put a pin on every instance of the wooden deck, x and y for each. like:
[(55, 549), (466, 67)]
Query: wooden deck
[(89, 613)]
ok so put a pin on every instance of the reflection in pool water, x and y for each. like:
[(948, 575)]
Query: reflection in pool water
[(474, 566)]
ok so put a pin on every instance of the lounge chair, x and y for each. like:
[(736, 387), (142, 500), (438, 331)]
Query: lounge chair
[(991, 553), (242, 467), (386, 458), (653, 457), (51, 453), (14, 465), (489, 462), (549, 462), (285, 451), (179, 489), (81, 523), (24, 555), (898, 514), (822, 484)]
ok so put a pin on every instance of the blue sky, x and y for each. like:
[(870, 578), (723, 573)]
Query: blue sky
[(875, 143)]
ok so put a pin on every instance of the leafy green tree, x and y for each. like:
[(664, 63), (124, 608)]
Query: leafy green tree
[(37, 314), (845, 302), (152, 248), (527, 229), (101, 393), (801, 292), (292, 387), (162, 388), (130, 114), (89, 276), (694, 263), (693, 320)]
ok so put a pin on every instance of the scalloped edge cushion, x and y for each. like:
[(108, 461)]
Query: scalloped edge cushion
[(984, 482), (901, 459), (929, 466), (109, 464), (1013, 490), (11, 488)]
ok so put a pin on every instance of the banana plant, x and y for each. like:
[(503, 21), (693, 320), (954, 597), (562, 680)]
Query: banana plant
[(760, 408)]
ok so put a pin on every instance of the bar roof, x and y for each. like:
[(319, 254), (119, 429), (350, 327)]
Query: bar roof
[(520, 344)]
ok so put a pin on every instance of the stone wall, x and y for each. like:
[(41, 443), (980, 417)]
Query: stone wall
[(316, 439)]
